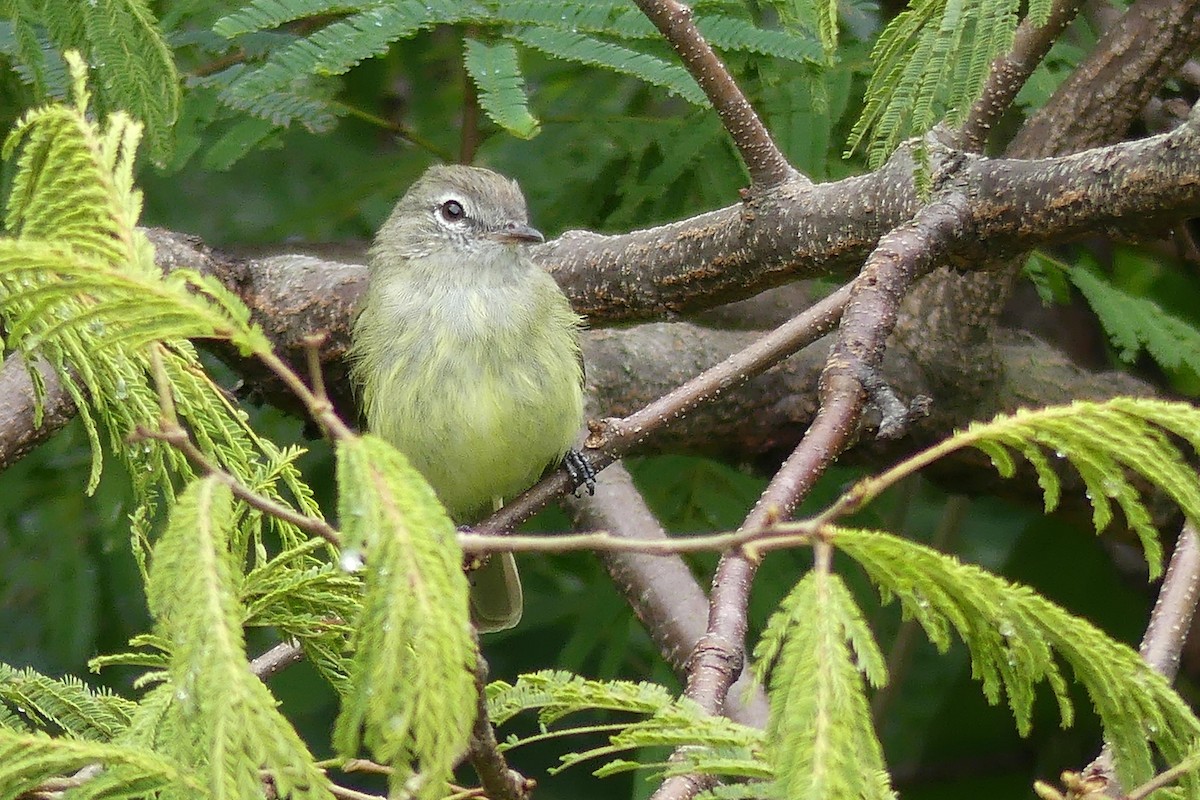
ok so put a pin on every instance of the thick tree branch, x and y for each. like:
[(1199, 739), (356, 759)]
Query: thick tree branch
[(766, 164), (1106, 93), (797, 232), (20, 430)]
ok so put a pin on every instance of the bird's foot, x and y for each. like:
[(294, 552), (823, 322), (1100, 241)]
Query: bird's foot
[(580, 470)]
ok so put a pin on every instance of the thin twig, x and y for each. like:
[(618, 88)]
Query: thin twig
[(177, 437), (351, 794), (365, 765), (1164, 778), (620, 435), (757, 541), (1167, 631), (611, 438), (500, 782), (319, 408), (312, 356), (1010, 71), (766, 163), (901, 257)]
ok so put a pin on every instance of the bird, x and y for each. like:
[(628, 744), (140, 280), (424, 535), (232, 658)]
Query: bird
[(466, 356)]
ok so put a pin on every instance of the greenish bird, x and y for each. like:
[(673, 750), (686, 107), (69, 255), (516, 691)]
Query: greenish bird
[(466, 354)]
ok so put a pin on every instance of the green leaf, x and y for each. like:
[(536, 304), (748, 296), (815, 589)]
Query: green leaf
[(739, 35), (497, 76), (586, 49), (27, 760), (711, 745), (79, 287), (228, 713), (412, 699), (262, 15), (1134, 324), (65, 703), (1013, 635), (1104, 442), (817, 649), (930, 62), (136, 67), (269, 90)]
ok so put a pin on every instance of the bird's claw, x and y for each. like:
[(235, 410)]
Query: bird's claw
[(581, 472)]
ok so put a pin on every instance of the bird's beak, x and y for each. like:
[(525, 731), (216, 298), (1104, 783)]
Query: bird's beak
[(518, 232)]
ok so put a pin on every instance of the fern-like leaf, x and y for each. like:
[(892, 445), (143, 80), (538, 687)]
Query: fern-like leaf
[(65, 703), (739, 35), (711, 745), (79, 287), (261, 15), (1134, 324), (1104, 442), (412, 700), (931, 62), (27, 760), (497, 76), (227, 711), (616, 18), (128, 49), (125, 49), (589, 50), (817, 649), (1013, 635), (336, 48)]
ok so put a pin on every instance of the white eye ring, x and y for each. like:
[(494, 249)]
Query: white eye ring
[(452, 211)]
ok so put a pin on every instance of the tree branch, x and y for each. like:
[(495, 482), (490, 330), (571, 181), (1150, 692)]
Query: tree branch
[(610, 438), (660, 589), (20, 428), (500, 782), (795, 232), (1010, 72), (1106, 93), (1167, 631), (766, 163), (901, 257)]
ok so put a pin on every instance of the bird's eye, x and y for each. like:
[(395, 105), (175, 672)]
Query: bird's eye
[(452, 211)]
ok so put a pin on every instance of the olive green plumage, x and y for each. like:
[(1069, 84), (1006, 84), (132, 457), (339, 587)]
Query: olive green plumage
[(466, 354)]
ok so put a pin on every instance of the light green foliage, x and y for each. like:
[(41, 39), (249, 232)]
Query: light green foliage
[(134, 67), (714, 745), (79, 287), (308, 599), (193, 595), (412, 699), (66, 704), (28, 759), (931, 61), (1103, 442), (1014, 635), (497, 76), (817, 649)]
